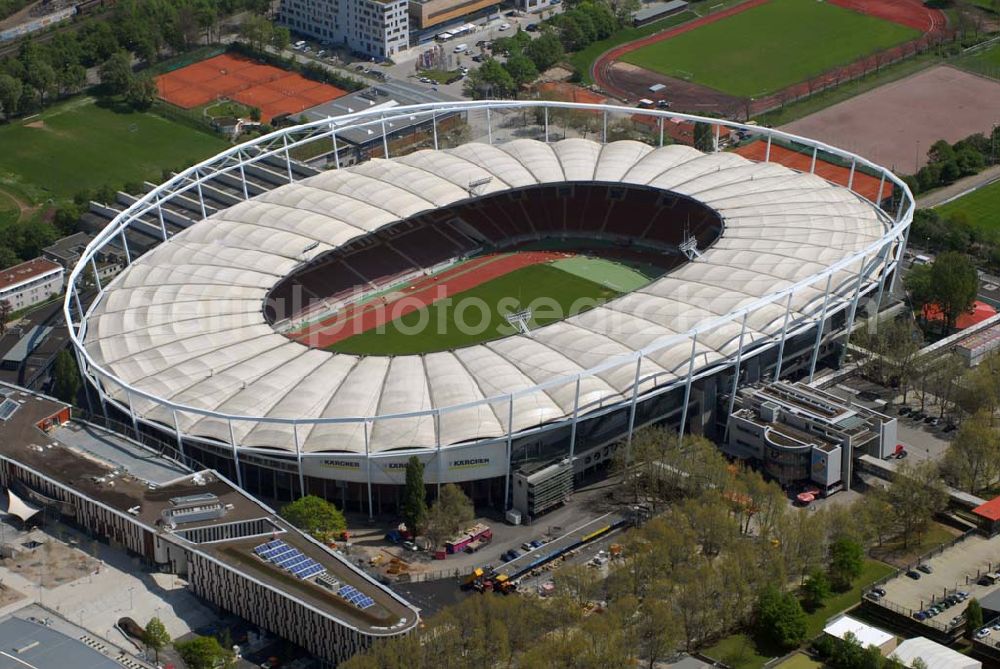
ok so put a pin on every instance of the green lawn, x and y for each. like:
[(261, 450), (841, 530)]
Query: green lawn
[(873, 571), (771, 47), (985, 62), (740, 652), (737, 651), (551, 293), (439, 76), (584, 59), (981, 206), (799, 661), (9, 211), (78, 145), (228, 109)]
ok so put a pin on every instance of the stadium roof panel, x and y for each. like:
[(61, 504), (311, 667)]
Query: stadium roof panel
[(185, 321)]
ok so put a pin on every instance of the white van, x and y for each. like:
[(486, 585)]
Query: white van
[(461, 48)]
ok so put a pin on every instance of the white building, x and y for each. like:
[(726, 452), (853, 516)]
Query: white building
[(374, 28), (30, 283), (934, 655), (865, 634)]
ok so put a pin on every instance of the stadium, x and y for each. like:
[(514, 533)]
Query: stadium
[(312, 338)]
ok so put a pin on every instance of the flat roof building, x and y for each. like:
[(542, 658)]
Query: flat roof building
[(376, 29), (799, 433), (28, 645), (30, 283), (865, 634), (202, 527)]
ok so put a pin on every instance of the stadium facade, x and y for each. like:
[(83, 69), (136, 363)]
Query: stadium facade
[(184, 344)]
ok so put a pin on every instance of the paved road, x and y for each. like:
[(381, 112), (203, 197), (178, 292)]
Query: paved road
[(960, 187)]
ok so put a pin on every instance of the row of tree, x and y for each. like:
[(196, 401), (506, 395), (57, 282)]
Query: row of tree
[(43, 70), (949, 162), (726, 552), (580, 25)]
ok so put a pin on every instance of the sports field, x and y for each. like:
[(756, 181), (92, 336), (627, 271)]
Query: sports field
[(981, 206), (553, 291), (78, 145), (770, 47)]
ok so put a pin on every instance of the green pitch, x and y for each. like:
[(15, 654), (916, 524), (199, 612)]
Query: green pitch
[(981, 206), (478, 314), (770, 47), (77, 145), (985, 62)]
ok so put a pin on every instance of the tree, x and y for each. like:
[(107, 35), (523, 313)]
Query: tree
[(449, 513), (141, 92), (703, 140), (116, 73), (316, 516), (490, 80), (41, 77), (155, 636), (847, 560), (414, 504), (815, 590), (914, 496), (5, 311), (545, 51), (281, 38), (972, 461), (204, 652), (65, 377), (779, 619), (973, 617), (521, 68), (10, 95), (954, 285)]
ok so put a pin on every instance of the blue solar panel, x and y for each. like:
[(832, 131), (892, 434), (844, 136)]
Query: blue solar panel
[(276, 552), (286, 561), (366, 602)]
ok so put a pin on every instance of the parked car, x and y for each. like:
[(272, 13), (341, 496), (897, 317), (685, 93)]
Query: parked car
[(504, 26), (934, 421), (537, 543), (920, 615), (903, 410), (926, 568), (918, 415), (527, 547), (950, 427), (514, 554), (879, 591), (956, 620), (874, 595), (983, 633), (963, 595), (532, 27), (915, 575)]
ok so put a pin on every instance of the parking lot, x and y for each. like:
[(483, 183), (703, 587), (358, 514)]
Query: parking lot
[(956, 569)]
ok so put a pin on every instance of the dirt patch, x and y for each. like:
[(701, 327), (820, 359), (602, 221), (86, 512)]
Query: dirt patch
[(35, 124), (49, 562), (881, 124), (684, 95)]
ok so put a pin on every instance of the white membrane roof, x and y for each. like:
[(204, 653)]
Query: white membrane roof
[(184, 322)]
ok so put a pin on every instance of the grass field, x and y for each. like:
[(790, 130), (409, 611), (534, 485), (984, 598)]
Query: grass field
[(985, 62), (78, 145), (9, 211), (552, 294), (771, 47), (799, 661), (583, 60), (981, 206), (740, 652)]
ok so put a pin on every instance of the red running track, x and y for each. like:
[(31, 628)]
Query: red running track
[(910, 13), (418, 295), (602, 66)]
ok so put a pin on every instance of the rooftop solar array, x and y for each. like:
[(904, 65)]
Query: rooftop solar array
[(288, 558), (356, 597)]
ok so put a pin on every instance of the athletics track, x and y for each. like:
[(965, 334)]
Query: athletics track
[(421, 293), (911, 13)]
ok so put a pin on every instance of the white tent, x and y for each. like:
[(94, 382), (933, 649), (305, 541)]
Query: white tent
[(934, 655), (18, 507)]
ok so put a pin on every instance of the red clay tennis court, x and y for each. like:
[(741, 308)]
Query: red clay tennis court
[(273, 90)]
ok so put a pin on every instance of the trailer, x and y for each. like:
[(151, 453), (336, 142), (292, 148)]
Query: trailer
[(478, 532)]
